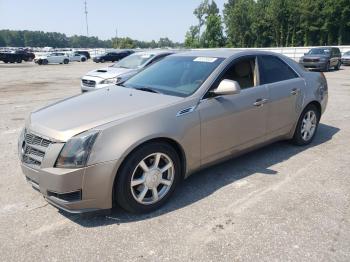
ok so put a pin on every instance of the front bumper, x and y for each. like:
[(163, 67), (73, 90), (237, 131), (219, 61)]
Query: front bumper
[(345, 61), (75, 190), (314, 65)]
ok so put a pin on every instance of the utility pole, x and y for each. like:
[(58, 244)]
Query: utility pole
[(116, 37), (86, 19)]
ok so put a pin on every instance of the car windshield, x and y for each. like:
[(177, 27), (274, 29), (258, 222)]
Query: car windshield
[(175, 75), (133, 61), (347, 53), (319, 51)]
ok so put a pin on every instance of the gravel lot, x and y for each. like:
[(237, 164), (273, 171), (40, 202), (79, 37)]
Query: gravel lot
[(280, 203)]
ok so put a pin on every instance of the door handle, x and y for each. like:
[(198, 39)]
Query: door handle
[(294, 91), (260, 102)]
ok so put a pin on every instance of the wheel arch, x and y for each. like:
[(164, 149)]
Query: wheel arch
[(172, 142)]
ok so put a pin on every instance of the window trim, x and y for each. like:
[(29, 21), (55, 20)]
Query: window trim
[(284, 62), (223, 72)]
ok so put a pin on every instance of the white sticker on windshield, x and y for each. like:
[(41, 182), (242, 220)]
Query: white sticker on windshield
[(145, 56), (205, 59)]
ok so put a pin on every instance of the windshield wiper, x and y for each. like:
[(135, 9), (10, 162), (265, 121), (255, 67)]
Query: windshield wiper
[(147, 89)]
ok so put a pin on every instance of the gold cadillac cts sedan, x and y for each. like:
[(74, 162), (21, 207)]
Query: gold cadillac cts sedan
[(131, 144)]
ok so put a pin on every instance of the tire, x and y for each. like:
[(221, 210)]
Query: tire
[(299, 137), (126, 195), (102, 60), (83, 59), (337, 67), (65, 61), (6, 61), (44, 61), (19, 61)]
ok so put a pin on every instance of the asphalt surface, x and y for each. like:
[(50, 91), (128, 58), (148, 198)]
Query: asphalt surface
[(280, 203)]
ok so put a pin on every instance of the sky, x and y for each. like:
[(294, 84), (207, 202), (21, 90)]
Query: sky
[(139, 19)]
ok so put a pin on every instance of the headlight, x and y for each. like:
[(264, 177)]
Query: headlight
[(110, 81), (76, 151)]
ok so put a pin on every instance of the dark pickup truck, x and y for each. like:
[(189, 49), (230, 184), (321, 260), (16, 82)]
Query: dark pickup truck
[(16, 57)]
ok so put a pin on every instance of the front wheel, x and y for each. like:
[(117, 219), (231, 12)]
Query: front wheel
[(307, 126), (147, 178), (65, 61)]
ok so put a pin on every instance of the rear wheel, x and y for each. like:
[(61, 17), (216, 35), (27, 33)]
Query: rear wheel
[(83, 59), (19, 60), (307, 126), (6, 61), (65, 61), (147, 178), (44, 61)]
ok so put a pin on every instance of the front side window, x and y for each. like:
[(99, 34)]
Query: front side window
[(273, 69), (244, 72), (133, 61), (175, 75)]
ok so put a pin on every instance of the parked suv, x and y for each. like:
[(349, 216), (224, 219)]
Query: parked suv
[(53, 58), (84, 53), (75, 57), (346, 58), (322, 58), (112, 56), (120, 71)]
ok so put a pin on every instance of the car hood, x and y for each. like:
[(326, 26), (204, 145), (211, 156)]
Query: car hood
[(74, 115), (109, 72), (316, 56)]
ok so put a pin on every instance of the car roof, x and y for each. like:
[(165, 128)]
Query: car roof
[(154, 52), (224, 53)]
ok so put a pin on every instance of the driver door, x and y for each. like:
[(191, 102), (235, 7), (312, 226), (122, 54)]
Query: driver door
[(231, 123)]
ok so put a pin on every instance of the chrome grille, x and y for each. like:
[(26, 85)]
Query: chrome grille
[(33, 149), (88, 83), (311, 60)]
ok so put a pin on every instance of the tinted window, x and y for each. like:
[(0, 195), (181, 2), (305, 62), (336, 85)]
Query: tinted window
[(273, 69)]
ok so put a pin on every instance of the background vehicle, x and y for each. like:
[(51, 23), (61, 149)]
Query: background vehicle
[(16, 56), (52, 58), (322, 58), (75, 57), (120, 71), (346, 58), (112, 56), (84, 53), (132, 144)]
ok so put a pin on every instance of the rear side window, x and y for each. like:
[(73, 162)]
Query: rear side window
[(273, 69)]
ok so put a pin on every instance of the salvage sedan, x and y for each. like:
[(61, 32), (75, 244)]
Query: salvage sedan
[(132, 144)]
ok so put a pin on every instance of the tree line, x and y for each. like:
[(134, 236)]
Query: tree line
[(14, 38), (270, 23)]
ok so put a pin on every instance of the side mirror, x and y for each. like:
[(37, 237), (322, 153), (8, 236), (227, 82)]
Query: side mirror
[(227, 87)]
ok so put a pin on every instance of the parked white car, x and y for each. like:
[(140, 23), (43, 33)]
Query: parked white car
[(75, 57), (52, 58), (121, 71)]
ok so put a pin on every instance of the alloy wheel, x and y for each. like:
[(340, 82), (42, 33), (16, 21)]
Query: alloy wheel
[(152, 178), (308, 126)]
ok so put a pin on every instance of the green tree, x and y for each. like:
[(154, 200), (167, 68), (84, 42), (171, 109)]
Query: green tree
[(191, 38), (213, 35)]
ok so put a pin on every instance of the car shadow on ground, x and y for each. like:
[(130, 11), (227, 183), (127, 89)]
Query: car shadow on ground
[(205, 182)]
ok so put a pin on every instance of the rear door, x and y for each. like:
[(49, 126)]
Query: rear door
[(284, 87)]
